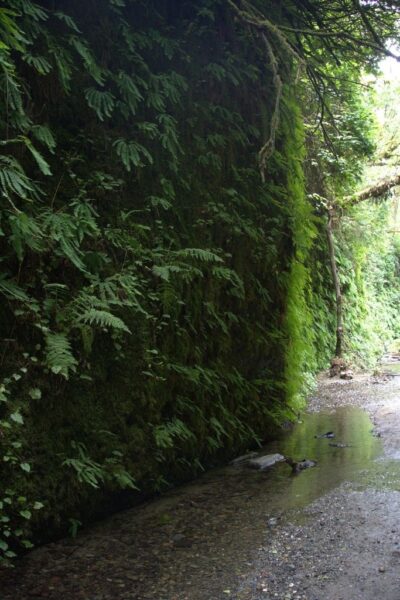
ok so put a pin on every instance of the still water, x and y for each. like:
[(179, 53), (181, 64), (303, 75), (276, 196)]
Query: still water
[(352, 427), (197, 539)]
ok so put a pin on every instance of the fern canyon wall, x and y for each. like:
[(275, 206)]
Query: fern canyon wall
[(163, 303)]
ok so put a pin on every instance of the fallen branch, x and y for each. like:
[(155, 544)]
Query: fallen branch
[(375, 191)]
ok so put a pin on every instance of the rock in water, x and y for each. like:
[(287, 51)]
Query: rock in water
[(242, 459), (264, 462), (328, 434), (300, 465)]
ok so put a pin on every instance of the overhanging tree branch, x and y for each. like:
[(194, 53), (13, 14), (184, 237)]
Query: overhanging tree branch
[(269, 146), (378, 190), (305, 33), (268, 31)]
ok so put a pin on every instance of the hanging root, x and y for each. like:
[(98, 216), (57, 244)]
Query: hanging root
[(267, 30), (269, 146)]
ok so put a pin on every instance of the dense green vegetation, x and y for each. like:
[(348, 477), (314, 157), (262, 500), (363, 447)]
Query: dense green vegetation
[(165, 288), (368, 238)]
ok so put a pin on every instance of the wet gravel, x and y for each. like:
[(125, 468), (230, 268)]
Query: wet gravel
[(348, 549)]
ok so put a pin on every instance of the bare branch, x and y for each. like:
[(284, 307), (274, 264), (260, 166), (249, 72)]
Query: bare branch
[(378, 190)]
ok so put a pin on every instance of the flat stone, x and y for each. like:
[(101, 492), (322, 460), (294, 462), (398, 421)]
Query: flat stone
[(242, 459), (346, 374), (266, 461)]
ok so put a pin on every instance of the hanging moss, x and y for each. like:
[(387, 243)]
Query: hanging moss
[(298, 320)]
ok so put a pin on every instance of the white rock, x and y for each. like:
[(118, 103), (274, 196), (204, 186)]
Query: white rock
[(266, 461)]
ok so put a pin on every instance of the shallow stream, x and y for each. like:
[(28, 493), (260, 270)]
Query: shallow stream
[(351, 426), (202, 539)]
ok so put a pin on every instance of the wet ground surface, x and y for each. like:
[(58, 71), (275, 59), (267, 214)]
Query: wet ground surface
[(331, 532)]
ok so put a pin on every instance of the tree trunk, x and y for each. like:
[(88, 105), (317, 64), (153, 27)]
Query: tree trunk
[(336, 283)]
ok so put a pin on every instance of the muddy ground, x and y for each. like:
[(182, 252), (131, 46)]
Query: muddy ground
[(331, 532)]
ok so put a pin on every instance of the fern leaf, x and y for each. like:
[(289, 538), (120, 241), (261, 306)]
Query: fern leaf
[(43, 134), (164, 271), (39, 63), (13, 178), (64, 65), (129, 91), (25, 231), (199, 254), (130, 152), (59, 357), (103, 318), (67, 20), (101, 102), (12, 290), (40, 161), (157, 202), (82, 48)]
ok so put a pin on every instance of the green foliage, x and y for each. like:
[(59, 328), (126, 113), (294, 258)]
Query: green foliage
[(94, 474), (131, 153), (59, 357), (149, 278), (369, 269), (16, 510)]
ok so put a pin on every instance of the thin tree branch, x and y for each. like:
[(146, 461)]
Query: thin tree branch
[(378, 190), (269, 146)]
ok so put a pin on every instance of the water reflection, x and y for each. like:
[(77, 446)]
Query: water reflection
[(392, 368), (351, 426)]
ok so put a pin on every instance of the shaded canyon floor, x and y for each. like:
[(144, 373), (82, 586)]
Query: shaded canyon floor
[(331, 532)]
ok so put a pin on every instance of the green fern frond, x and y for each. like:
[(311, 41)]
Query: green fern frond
[(149, 129), (131, 153), (40, 161), (59, 357), (166, 434), (12, 290), (64, 230), (43, 134), (169, 134), (13, 179), (164, 271), (10, 82), (39, 63), (69, 21), (11, 34), (129, 91), (104, 319), (101, 102), (25, 231), (230, 276), (157, 202), (82, 48), (33, 10), (199, 254), (64, 64)]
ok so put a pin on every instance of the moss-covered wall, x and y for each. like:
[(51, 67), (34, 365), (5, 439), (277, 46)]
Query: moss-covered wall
[(167, 323)]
